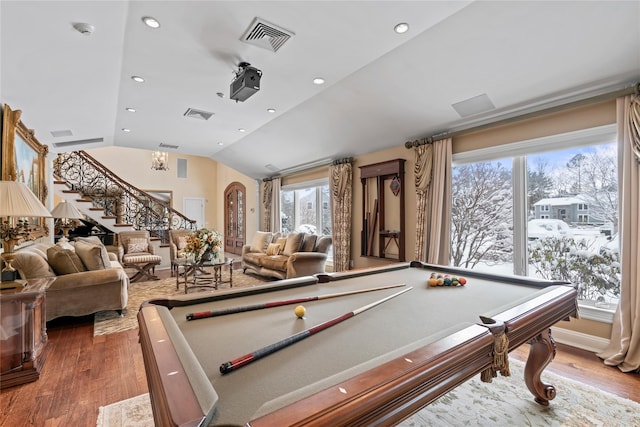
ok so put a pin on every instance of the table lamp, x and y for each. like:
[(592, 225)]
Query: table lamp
[(17, 201), (66, 215)]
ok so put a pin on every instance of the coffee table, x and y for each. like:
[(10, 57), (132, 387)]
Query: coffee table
[(193, 277)]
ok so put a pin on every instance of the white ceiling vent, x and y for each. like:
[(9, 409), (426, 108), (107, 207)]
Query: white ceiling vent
[(61, 133), (198, 114), (476, 105), (266, 35), (78, 142)]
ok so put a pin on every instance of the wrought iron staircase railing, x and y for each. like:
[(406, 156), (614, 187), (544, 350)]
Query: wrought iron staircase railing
[(119, 199)]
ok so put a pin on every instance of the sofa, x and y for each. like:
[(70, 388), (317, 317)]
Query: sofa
[(285, 257), (88, 277)]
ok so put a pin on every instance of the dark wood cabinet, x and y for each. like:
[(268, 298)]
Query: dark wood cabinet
[(23, 332), (383, 210)]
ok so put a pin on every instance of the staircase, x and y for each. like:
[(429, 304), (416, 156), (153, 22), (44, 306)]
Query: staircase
[(112, 202)]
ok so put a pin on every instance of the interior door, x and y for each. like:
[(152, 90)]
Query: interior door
[(234, 218), (193, 208)]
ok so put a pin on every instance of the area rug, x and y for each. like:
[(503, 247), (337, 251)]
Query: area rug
[(108, 322), (504, 402)]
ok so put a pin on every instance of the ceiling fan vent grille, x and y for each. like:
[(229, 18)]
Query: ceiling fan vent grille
[(198, 114), (266, 35), (163, 145)]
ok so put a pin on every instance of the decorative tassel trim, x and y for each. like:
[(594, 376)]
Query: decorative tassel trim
[(500, 361)]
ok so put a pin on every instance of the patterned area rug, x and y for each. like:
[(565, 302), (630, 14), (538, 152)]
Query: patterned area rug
[(504, 402), (108, 322)]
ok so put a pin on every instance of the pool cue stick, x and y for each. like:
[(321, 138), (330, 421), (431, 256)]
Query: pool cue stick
[(272, 348), (232, 310)]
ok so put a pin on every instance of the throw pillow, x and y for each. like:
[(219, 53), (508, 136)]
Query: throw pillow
[(260, 241), (90, 239), (182, 242), (273, 249), (136, 245), (31, 265), (93, 256), (294, 243), (64, 261), (309, 243), (282, 241)]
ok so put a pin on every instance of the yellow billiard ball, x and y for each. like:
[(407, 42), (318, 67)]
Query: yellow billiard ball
[(300, 311)]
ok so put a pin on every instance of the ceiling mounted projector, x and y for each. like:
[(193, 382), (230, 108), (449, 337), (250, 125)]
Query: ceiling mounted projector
[(246, 83)]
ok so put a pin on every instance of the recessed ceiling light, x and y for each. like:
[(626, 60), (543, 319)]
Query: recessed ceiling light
[(151, 22), (131, 110), (221, 143), (271, 110), (137, 79), (402, 27), (126, 130), (318, 81)]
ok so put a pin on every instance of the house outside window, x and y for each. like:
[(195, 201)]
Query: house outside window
[(515, 211)]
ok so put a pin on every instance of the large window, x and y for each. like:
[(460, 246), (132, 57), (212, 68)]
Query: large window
[(305, 207), (546, 208)]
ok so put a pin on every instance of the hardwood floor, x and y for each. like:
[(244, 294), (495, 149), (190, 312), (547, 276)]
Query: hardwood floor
[(83, 372)]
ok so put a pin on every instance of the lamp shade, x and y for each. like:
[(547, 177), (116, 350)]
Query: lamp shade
[(66, 210), (17, 200)]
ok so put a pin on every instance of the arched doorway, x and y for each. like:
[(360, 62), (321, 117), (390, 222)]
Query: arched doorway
[(234, 218)]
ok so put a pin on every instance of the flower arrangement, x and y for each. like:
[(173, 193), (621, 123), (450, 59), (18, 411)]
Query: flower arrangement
[(203, 242), (17, 233)]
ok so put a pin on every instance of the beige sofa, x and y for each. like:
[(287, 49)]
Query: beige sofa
[(87, 281), (295, 255)]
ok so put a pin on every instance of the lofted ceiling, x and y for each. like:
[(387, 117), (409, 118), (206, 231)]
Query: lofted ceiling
[(381, 88)]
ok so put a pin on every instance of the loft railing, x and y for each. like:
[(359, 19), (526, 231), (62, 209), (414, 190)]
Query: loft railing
[(119, 199)]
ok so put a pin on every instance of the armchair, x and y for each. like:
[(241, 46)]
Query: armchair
[(177, 243), (136, 251)]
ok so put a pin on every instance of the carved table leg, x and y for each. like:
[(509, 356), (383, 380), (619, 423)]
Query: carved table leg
[(541, 352)]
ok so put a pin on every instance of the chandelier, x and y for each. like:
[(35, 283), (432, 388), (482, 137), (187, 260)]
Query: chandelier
[(160, 160)]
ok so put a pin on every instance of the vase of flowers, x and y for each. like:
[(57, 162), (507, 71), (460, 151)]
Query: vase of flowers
[(205, 245)]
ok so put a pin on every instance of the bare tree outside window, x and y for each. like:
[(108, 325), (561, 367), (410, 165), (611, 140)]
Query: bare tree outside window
[(481, 219)]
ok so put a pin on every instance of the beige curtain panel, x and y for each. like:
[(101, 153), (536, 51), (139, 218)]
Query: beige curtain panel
[(634, 124), (438, 227), (422, 178), (432, 177), (624, 348), (266, 204), (340, 182), (274, 224)]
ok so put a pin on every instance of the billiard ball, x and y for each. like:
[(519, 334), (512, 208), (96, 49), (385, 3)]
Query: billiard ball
[(300, 311)]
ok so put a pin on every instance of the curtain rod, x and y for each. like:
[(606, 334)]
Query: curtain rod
[(302, 168), (635, 89)]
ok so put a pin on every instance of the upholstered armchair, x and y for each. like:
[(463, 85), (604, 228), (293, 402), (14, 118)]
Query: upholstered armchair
[(177, 244), (136, 251)]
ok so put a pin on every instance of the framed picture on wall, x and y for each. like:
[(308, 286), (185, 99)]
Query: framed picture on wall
[(23, 159)]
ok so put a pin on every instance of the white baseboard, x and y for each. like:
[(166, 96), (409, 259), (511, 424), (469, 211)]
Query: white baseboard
[(579, 339)]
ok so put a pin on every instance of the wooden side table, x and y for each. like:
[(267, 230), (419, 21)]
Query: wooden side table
[(23, 332)]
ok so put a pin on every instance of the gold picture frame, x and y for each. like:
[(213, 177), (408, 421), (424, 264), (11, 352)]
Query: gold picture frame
[(24, 160)]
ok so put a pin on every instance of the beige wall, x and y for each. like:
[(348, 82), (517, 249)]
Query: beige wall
[(206, 179)]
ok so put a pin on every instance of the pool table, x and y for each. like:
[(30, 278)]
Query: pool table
[(375, 368)]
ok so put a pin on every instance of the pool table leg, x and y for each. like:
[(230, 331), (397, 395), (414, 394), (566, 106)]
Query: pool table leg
[(541, 352)]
